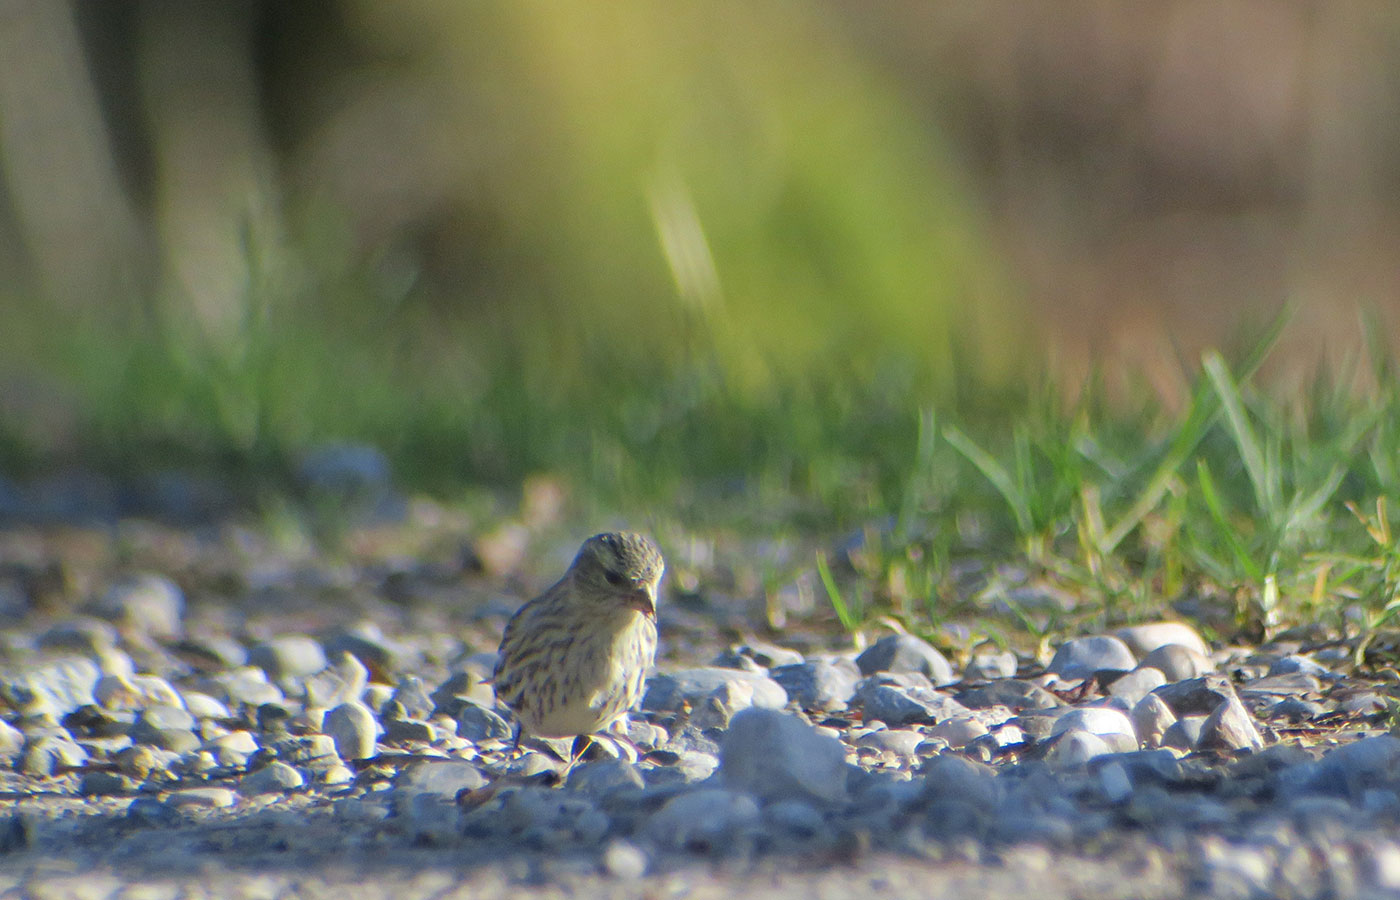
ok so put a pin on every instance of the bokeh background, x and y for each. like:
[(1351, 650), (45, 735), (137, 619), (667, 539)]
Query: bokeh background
[(639, 243)]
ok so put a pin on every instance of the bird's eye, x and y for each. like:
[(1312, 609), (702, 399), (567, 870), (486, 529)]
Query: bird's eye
[(613, 578)]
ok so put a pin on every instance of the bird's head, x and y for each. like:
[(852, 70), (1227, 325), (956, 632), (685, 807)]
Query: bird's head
[(620, 568)]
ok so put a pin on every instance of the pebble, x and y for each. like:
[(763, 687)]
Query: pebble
[(991, 666), (906, 653), (756, 655), (1230, 727), (624, 859), (1177, 662), (275, 777), (442, 778), (1080, 658), (818, 685), (897, 706), (1134, 685), (776, 755), (354, 730), (703, 820), (288, 656), (1143, 639), (146, 603), (1012, 694), (668, 692), (201, 797), (477, 724)]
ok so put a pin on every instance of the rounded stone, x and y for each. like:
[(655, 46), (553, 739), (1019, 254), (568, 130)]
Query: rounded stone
[(147, 603), (1143, 639), (906, 653), (354, 730), (288, 656), (776, 755), (1080, 658)]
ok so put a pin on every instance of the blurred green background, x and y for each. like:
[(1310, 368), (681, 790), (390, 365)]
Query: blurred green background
[(642, 245)]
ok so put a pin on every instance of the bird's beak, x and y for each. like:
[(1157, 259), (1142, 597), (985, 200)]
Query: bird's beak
[(643, 600)]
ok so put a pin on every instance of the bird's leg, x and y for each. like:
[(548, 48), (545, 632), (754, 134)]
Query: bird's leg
[(580, 747)]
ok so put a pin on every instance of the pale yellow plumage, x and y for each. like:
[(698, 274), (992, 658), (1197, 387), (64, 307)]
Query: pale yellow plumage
[(574, 659)]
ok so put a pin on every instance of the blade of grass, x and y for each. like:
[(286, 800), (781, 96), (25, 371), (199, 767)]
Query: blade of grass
[(1222, 523), (1262, 476), (994, 472), (833, 593)]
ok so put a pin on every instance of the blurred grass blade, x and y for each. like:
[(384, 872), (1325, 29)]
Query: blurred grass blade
[(1262, 476), (1223, 528), (994, 472), (833, 593)]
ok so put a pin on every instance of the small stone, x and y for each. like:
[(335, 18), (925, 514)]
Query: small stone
[(1151, 718), (343, 681), (1351, 769), (1112, 725), (1143, 639), (57, 685), (353, 728), (1076, 748), (757, 655), (906, 653), (105, 784), (898, 741), (203, 706), (443, 778), (898, 706), (407, 731), (1178, 662), (201, 798), (624, 859), (288, 656), (776, 755), (412, 694), (958, 731), (243, 686), (477, 724), (167, 727), (1135, 685), (1196, 696), (1080, 658), (817, 685), (47, 754), (716, 709), (137, 762), (275, 777), (84, 635), (991, 666), (133, 692), (669, 692), (703, 820), (147, 603), (1184, 733), (606, 776), (1230, 727), (1013, 694), (11, 739)]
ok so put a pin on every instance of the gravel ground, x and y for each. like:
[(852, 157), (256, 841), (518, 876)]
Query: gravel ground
[(214, 714)]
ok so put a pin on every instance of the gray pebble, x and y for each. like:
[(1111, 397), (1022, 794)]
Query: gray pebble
[(477, 724), (896, 706), (167, 727), (624, 859), (1178, 662), (1230, 727), (703, 820), (201, 797), (1184, 733), (899, 741), (777, 756), (147, 603), (1196, 696), (991, 666), (243, 686), (275, 777), (443, 778), (85, 635), (605, 776), (56, 686), (1135, 685), (1012, 694), (757, 655), (1143, 639), (1076, 747), (906, 653), (46, 754), (817, 685), (288, 656), (1151, 718), (1081, 657), (353, 728), (668, 692)]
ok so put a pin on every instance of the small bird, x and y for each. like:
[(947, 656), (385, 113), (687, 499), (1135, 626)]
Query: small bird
[(574, 659)]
